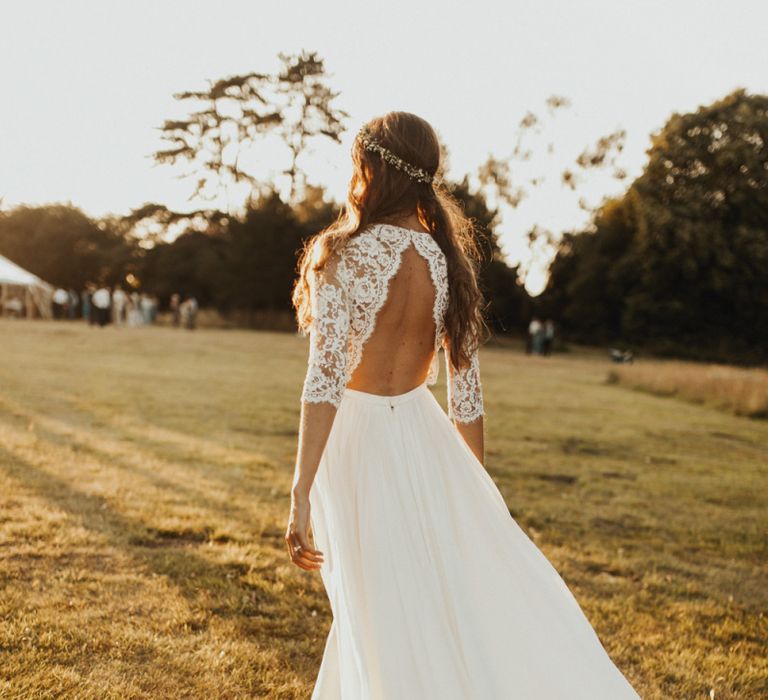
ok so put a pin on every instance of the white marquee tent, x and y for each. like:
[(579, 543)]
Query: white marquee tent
[(18, 284)]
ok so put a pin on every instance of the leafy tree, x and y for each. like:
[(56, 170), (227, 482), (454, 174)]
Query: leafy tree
[(507, 299), (315, 211), (63, 246), (592, 273), (243, 263), (679, 263), (261, 257), (507, 181)]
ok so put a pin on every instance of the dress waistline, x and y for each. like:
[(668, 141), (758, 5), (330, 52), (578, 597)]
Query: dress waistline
[(387, 400)]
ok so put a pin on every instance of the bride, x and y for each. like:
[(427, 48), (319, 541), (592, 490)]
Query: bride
[(436, 592)]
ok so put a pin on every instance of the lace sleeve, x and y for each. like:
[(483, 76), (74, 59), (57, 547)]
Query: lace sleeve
[(465, 392), (327, 362)]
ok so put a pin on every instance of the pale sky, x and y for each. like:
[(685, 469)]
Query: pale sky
[(85, 83)]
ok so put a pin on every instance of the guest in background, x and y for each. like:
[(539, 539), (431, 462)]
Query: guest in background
[(60, 303), (188, 310), (119, 301), (535, 331), (134, 317), (153, 308), (549, 336), (74, 303), (102, 303), (86, 296), (176, 308), (145, 304)]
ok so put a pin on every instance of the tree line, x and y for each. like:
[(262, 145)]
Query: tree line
[(676, 265), (241, 265), (679, 263)]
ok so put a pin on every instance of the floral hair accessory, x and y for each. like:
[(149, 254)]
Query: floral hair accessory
[(371, 144)]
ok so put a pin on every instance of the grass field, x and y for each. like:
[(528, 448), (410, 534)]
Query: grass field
[(144, 479), (743, 392)]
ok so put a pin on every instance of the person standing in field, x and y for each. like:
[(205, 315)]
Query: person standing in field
[(145, 306), (74, 303), (134, 318), (549, 336), (176, 309), (154, 303), (86, 296), (534, 336), (60, 303), (436, 591), (188, 310), (102, 303), (119, 303)]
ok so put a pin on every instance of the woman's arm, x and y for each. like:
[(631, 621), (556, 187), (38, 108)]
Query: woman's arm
[(315, 425), (473, 434), (465, 402), (321, 395)]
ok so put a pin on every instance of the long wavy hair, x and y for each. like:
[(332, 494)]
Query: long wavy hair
[(380, 193)]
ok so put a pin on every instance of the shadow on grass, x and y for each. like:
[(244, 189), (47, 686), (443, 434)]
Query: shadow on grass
[(126, 454), (211, 589), (195, 497)]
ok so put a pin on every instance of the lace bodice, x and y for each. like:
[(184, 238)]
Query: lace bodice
[(345, 298)]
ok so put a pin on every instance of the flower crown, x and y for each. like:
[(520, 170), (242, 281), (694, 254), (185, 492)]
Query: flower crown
[(371, 144)]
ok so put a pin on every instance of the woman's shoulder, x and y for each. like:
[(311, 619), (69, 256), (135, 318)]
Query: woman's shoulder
[(372, 245), (371, 240), (325, 244), (383, 235)]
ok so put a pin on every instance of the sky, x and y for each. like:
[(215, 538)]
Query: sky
[(85, 84)]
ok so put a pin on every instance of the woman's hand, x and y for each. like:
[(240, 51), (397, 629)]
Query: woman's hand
[(314, 428), (302, 553)]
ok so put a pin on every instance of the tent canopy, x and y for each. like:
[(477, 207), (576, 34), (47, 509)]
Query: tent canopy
[(11, 273), (37, 294)]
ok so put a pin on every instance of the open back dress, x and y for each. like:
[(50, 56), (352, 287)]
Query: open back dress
[(435, 590)]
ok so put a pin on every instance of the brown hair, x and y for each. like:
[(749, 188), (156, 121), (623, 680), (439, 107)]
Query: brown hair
[(381, 193)]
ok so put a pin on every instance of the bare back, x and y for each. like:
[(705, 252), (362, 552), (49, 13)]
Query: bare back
[(379, 307), (399, 352)]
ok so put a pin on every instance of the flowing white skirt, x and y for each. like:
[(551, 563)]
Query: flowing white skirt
[(435, 590)]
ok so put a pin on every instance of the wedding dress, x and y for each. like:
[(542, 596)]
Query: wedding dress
[(435, 590)]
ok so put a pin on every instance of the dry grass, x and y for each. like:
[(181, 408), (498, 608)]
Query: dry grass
[(143, 488), (740, 391)]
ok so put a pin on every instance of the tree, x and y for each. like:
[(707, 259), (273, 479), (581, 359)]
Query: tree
[(245, 263), (679, 262), (219, 139), (230, 115), (194, 263), (507, 299), (307, 111), (592, 274), (261, 257), (63, 246), (508, 181)]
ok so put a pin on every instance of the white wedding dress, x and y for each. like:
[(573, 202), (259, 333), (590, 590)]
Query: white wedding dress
[(436, 592)]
